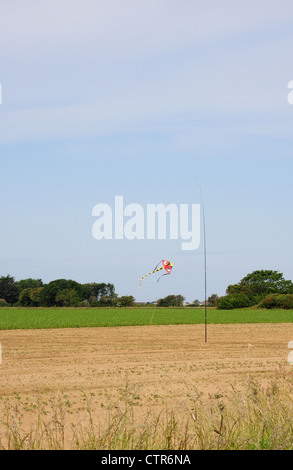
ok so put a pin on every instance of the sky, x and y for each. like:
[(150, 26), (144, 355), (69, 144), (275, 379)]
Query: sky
[(146, 100)]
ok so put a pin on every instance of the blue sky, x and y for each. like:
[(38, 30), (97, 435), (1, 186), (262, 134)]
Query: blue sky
[(145, 100)]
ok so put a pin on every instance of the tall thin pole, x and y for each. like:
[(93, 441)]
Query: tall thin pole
[(205, 269)]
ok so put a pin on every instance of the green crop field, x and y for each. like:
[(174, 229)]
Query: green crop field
[(32, 318)]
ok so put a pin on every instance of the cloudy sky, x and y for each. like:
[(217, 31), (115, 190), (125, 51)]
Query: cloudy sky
[(145, 99)]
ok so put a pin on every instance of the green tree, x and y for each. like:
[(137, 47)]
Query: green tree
[(253, 288), (171, 301), (8, 289), (260, 283), (29, 284), (212, 300), (52, 289), (31, 297), (67, 298), (24, 298), (124, 301), (36, 296), (100, 290)]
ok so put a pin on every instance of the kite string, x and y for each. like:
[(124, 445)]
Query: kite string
[(151, 322)]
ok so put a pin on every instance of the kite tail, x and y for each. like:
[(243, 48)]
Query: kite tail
[(154, 271)]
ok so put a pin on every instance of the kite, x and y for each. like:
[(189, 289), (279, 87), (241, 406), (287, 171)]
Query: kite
[(167, 265)]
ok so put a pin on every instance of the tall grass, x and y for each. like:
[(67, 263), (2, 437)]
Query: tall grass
[(255, 417)]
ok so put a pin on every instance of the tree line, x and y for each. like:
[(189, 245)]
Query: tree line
[(60, 293), (261, 288), (68, 293)]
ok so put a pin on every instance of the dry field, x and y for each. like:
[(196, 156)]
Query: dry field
[(159, 366)]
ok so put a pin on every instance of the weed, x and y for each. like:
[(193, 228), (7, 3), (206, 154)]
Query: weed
[(254, 418)]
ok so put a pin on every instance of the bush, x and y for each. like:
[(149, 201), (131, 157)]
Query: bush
[(3, 303), (104, 302), (289, 301), (124, 301), (171, 301), (231, 301), (277, 301)]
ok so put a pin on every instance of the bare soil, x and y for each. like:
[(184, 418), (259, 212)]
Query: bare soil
[(158, 365)]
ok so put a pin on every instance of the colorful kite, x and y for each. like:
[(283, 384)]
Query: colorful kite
[(167, 265)]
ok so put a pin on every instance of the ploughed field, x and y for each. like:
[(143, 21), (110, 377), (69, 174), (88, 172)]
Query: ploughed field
[(150, 367)]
